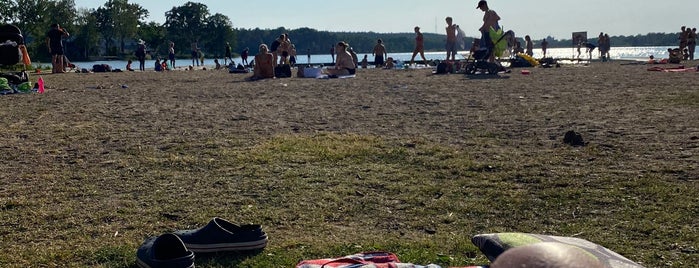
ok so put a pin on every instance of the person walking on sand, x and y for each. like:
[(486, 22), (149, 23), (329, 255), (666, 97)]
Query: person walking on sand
[(54, 41), (379, 53), (419, 46), (490, 20), (451, 39), (228, 54)]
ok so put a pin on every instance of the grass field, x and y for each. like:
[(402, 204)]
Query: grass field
[(401, 161)]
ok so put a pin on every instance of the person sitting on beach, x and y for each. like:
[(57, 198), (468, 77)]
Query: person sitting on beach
[(218, 65), (128, 66), (158, 66), (365, 61), (164, 65), (389, 63), (344, 65), (264, 64), (651, 60)]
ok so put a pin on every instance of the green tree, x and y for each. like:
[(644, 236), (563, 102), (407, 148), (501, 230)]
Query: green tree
[(184, 24), (218, 30), (34, 19), (86, 37), (154, 35), (7, 10), (126, 19)]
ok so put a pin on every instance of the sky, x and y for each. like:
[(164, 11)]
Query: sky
[(537, 18)]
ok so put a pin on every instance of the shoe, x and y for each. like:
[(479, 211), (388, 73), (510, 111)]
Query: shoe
[(222, 235), (164, 251)]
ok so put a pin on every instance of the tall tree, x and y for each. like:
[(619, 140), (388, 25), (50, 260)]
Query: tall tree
[(87, 36), (219, 30), (119, 19), (185, 23)]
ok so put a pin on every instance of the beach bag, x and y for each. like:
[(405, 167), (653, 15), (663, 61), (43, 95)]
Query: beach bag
[(377, 259), (101, 68), (310, 72), (282, 71)]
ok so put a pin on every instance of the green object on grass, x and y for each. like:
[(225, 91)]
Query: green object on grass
[(24, 87), (4, 84)]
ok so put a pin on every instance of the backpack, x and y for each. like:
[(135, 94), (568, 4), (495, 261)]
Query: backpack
[(282, 71)]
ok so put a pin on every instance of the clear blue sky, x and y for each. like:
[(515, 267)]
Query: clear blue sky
[(539, 18)]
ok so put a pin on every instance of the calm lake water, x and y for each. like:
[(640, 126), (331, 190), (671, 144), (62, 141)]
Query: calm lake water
[(618, 53)]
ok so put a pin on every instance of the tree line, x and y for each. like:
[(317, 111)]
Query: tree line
[(111, 31)]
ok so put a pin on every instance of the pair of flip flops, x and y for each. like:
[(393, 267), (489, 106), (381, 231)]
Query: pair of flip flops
[(177, 249)]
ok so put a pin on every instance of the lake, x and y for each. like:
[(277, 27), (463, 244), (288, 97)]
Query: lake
[(618, 53)]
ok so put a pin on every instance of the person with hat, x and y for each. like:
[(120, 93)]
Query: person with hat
[(141, 55), (490, 20)]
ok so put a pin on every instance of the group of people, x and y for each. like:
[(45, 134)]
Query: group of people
[(688, 42), (283, 51)]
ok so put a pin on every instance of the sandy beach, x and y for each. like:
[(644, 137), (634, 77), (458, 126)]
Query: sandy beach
[(636, 124)]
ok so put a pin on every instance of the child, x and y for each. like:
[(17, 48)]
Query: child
[(128, 66)]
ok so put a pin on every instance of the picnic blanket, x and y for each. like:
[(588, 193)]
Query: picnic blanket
[(678, 69)]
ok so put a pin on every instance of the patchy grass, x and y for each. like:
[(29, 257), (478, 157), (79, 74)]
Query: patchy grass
[(89, 175)]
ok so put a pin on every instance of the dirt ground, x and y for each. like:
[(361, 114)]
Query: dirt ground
[(643, 122)]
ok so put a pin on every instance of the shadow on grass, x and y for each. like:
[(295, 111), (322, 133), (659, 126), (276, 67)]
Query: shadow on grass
[(485, 76), (225, 259)]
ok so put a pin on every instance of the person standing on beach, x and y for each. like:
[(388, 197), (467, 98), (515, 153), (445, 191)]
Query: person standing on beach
[(379, 53), (141, 55), (419, 46), (195, 54), (544, 46), (309, 56), (683, 37), (54, 41), (275, 46), (692, 43), (529, 44), (490, 20), (451, 39), (228, 54), (244, 56), (171, 54), (332, 53)]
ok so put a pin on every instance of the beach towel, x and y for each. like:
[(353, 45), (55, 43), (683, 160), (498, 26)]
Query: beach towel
[(325, 76), (678, 69), (377, 259)]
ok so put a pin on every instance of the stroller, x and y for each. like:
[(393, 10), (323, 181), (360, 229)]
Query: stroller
[(12, 80), (478, 61)]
